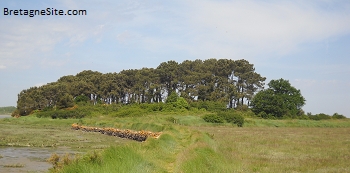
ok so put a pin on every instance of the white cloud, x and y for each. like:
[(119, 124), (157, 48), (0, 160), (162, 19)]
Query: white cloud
[(205, 29), (25, 42), (254, 27), (2, 67)]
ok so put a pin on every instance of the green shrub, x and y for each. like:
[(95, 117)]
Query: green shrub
[(267, 116), (172, 98), (242, 107), (303, 117), (209, 105), (232, 117), (213, 118), (181, 103), (324, 116), (81, 98), (152, 107), (263, 114), (320, 116), (65, 101), (62, 114), (338, 116)]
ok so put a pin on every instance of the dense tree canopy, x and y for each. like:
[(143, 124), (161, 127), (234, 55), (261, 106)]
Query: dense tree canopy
[(223, 80), (280, 99)]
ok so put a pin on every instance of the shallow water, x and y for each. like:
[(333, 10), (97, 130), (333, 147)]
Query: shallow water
[(30, 159), (5, 116)]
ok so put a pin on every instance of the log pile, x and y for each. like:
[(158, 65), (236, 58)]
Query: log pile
[(129, 134)]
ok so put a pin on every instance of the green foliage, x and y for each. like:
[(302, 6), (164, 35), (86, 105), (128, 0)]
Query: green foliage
[(172, 98), (62, 114), (65, 101), (338, 116), (209, 105), (181, 103), (242, 107), (7, 110), (209, 80), (232, 117), (320, 116), (81, 98), (266, 116), (130, 111), (280, 99), (174, 101), (152, 107), (213, 118)]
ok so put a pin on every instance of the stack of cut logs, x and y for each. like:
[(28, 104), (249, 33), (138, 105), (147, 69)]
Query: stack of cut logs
[(129, 134)]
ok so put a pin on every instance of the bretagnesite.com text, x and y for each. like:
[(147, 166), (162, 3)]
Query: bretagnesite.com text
[(44, 12)]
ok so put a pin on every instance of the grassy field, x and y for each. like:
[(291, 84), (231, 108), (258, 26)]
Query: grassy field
[(188, 144)]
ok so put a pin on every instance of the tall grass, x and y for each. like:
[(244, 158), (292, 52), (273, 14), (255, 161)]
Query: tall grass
[(254, 122), (189, 144), (113, 159), (268, 149)]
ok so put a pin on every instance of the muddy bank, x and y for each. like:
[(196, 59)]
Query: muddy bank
[(27, 159)]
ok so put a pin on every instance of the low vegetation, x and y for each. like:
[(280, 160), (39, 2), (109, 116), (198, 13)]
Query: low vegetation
[(7, 110), (188, 143)]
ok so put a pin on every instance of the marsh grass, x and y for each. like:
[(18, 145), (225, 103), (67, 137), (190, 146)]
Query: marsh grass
[(254, 122), (189, 144), (202, 147), (283, 149)]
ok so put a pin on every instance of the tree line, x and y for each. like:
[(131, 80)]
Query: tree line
[(232, 81), (7, 109)]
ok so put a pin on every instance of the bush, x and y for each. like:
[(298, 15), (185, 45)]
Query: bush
[(263, 114), (303, 117), (213, 118), (232, 117), (242, 107), (268, 116), (81, 98), (320, 116), (150, 107), (172, 98), (338, 116), (209, 105), (181, 103), (15, 113), (65, 101)]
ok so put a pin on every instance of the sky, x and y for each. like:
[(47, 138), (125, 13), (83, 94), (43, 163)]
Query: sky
[(305, 42)]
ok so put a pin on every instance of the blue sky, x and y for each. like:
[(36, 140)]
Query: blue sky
[(305, 42)]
